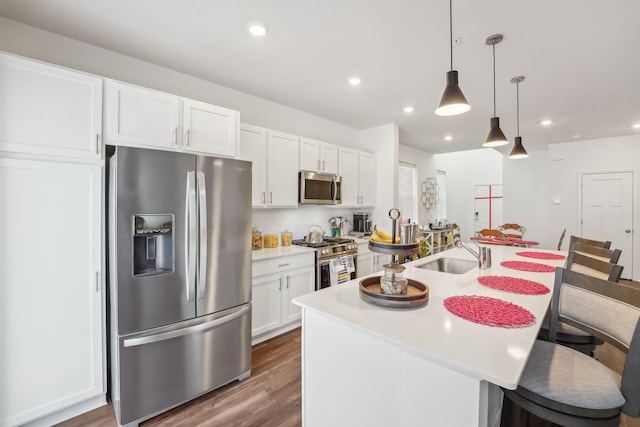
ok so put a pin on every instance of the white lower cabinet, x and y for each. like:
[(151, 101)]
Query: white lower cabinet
[(275, 283), (52, 291), (370, 262)]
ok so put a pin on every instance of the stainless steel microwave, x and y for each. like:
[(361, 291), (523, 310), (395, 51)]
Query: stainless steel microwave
[(320, 189)]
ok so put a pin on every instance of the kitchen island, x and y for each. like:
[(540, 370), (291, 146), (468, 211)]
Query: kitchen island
[(363, 364)]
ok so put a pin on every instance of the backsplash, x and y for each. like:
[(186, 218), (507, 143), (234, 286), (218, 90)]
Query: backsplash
[(298, 220)]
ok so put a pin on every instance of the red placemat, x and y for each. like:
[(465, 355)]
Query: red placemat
[(514, 285), (528, 266), (489, 311), (540, 255)]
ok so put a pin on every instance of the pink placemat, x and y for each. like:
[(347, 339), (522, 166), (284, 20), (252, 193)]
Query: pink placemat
[(489, 311), (514, 285), (540, 255), (528, 266)]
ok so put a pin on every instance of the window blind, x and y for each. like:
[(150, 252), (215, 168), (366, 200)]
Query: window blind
[(408, 191)]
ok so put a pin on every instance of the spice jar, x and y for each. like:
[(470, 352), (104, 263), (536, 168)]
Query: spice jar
[(270, 240), (256, 240), (393, 282), (285, 238)]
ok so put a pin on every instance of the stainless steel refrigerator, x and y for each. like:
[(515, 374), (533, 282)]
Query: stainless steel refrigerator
[(179, 275)]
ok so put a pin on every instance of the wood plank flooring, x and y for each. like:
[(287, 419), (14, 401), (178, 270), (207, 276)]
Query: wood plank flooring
[(272, 395)]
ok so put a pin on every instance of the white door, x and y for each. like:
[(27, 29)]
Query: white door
[(607, 201), (488, 207)]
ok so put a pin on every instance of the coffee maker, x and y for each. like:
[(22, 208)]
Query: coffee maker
[(361, 223)]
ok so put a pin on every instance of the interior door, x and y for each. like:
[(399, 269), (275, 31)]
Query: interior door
[(607, 201), (488, 207)]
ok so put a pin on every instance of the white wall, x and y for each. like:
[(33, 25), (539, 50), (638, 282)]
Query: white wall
[(423, 161), (384, 141), (526, 198), (465, 169)]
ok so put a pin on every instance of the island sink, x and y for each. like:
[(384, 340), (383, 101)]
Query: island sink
[(449, 265)]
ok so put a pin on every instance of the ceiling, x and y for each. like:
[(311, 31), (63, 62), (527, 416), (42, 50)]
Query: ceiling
[(580, 58)]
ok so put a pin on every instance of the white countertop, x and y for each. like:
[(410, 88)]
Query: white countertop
[(494, 354), (280, 251)]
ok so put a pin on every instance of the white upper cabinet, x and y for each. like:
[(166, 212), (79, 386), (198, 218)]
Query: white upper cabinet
[(275, 166), (253, 147), (317, 156), (209, 129), (282, 170), (49, 110), (142, 117), (358, 171)]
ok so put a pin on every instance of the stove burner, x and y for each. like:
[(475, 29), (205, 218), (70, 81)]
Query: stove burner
[(326, 241)]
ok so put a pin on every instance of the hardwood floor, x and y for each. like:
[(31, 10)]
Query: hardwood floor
[(269, 397), (272, 395)]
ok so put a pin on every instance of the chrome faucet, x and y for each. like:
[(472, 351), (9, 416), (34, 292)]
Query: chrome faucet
[(483, 255)]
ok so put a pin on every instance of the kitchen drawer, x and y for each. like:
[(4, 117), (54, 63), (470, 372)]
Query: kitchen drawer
[(279, 264)]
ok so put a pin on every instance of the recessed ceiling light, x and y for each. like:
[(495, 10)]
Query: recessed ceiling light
[(448, 138), (636, 126), (257, 30), (546, 122), (408, 109), (354, 81)]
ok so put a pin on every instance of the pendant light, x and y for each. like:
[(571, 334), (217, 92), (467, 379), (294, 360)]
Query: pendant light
[(518, 151), (453, 101), (496, 137)]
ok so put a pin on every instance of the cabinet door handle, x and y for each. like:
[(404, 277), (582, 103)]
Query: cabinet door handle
[(284, 265), (280, 284), (97, 282), (323, 165), (97, 147), (187, 137), (174, 136), (286, 282), (264, 197)]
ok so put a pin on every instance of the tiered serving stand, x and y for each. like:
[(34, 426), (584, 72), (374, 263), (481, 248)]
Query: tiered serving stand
[(370, 290)]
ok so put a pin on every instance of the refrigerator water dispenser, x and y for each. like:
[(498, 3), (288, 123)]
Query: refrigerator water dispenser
[(152, 244)]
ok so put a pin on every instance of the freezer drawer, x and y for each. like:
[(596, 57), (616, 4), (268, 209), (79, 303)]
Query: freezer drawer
[(165, 367)]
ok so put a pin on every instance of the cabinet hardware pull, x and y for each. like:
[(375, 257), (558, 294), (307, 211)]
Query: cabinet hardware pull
[(284, 265), (187, 136), (97, 282), (174, 136), (286, 282), (280, 284), (323, 165), (97, 150), (264, 197)]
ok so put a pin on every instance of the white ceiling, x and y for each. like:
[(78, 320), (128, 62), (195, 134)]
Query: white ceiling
[(580, 58)]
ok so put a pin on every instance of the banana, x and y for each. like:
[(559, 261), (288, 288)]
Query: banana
[(382, 237)]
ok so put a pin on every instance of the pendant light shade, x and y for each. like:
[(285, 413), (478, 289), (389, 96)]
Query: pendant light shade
[(496, 137), (518, 151), (453, 101)]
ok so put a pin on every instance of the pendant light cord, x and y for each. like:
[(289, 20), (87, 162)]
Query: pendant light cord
[(494, 79), (518, 108), (451, 32)]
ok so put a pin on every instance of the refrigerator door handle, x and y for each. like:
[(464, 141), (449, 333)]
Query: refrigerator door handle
[(202, 327), (191, 235), (202, 204)]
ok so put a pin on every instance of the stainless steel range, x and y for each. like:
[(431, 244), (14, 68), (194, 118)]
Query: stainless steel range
[(330, 248)]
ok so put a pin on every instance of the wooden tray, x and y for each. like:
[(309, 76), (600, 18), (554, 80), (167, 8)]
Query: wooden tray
[(394, 248), (417, 294)]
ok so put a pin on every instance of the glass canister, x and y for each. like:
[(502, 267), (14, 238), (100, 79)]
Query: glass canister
[(285, 238), (393, 282), (271, 240), (256, 239)]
